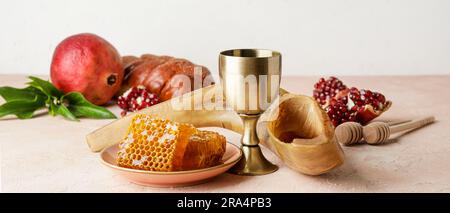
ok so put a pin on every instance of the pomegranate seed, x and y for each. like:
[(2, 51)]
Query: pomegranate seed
[(136, 98), (326, 89), (349, 105)]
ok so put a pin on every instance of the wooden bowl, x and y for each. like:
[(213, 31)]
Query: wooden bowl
[(299, 132)]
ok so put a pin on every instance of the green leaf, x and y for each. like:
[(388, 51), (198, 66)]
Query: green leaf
[(11, 93), (24, 102), (25, 115), (62, 110), (45, 86), (81, 107), (23, 109), (52, 107)]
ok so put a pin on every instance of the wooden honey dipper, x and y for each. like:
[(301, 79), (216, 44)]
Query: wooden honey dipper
[(379, 132), (351, 132)]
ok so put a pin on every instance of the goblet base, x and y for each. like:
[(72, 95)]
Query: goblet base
[(253, 163)]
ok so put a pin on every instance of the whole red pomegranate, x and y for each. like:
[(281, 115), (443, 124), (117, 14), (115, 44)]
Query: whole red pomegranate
[(88, 64)]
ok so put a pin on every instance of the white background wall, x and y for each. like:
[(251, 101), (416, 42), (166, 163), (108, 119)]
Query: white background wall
[(316, 37)]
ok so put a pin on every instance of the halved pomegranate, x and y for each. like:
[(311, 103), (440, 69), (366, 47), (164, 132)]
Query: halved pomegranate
[(136, 98), (344, 104)]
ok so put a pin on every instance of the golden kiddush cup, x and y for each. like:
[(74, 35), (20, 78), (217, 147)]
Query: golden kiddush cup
[(250, 80)]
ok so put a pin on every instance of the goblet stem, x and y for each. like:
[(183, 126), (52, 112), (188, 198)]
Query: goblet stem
[(253, 162), (249, 137)]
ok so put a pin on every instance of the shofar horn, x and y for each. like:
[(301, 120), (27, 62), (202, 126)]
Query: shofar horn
[(299, 132), (313, 151)]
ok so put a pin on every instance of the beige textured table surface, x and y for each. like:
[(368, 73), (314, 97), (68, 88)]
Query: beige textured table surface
[(49, 154)]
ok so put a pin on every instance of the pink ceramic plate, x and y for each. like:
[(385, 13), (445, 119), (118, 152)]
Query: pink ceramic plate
[(171, 179)]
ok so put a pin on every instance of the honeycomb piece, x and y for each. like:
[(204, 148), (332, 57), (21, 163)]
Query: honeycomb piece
[(154, 144), (205, 149)]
